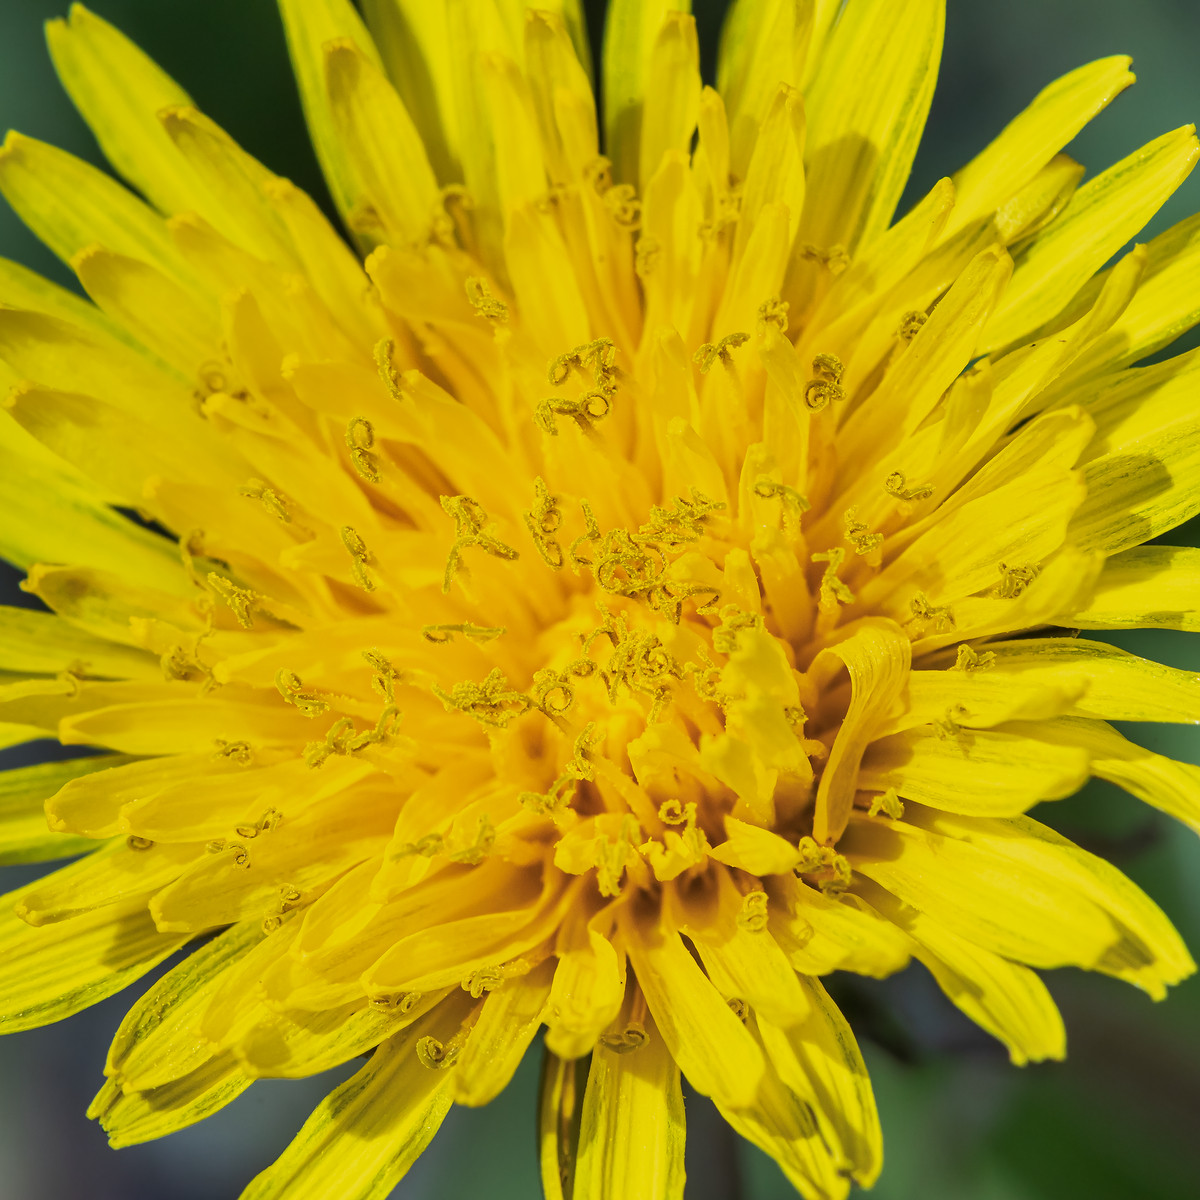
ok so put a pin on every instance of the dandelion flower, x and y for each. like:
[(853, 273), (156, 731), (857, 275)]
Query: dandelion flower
[(623, 590)]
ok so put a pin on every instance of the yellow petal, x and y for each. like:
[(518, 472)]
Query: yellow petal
[(60, 969), (764, 44), (1144, 587), (116, 872), (1006, 999), (380, 144), (39, 643), (414, 45), (1120, 686), (24, 833), (1104, 214), (822, 933), (519, 167), (743, 963), (820, 1061), (588, 988), (165, 317), (22, 288), (866, 109), (71, 524), (780, 1123), (117, 452), (310, 27), (442, 955), (91, 804), (363, 1137), (89, 54), (240, 881), (130, 1118), (71, 205), (755, 849), (671, 106), (1163, 308), (980, 699), (986, 773), (632, 1131), (630, 33), (1140, 489), (1148, 953), (293, 1044), (942, 348), (182, 726), (159, 1039), (507, 1024), (1173, 787), (708, 1042), (560, 1112), (877, 657), (1058, 112), (1018, 889)]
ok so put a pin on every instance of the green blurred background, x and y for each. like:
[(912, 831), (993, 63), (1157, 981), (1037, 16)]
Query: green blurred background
[(1117, 1121)]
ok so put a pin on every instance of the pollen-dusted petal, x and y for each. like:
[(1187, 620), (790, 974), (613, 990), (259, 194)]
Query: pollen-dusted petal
[(25, 835), (632, 1129), (509, 1020), (866, 109), (1100, 218), (980, 772), (711, 1046), (820, 1061), (60, 969), (1055, 115), (1006, 999), (363, 1137), (877, 657)]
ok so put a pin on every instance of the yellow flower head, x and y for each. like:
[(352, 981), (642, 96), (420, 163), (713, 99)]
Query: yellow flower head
[(604, 601)]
